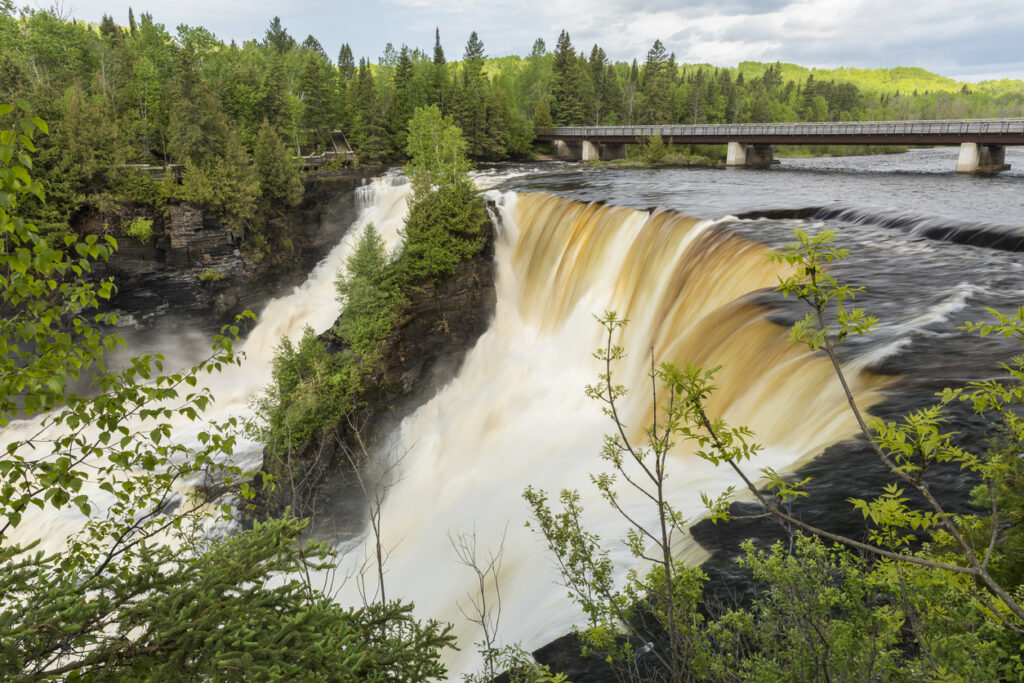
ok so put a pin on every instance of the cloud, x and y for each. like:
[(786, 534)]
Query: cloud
[(980, 36)]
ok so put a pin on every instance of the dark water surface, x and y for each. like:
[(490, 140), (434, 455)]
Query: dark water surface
[(920, 182)]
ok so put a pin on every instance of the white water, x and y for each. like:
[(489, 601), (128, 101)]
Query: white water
[(516, 414), (312, 303)]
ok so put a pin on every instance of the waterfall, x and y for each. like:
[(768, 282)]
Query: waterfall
[(312, 303), (516, 413)]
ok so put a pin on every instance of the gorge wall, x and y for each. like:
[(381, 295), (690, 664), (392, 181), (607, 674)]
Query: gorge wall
[(201, 273)]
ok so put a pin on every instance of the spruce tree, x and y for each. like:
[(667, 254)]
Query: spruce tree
[(278, 174), (346, 64)]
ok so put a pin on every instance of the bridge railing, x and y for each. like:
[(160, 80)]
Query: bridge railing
[(939, 127)]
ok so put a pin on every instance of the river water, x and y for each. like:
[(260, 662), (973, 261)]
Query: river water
[(683, 254)]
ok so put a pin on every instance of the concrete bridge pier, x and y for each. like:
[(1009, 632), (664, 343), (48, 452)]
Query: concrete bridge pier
[(982, 159), (741, 154)]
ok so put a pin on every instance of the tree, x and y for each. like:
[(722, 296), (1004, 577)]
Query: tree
[(369, 296), (825, 614), (346, 64), (567, 105), (277, 37), (139, 591), (278, 173), (446, 214), (656, 86), (439, 72), (437, 152)]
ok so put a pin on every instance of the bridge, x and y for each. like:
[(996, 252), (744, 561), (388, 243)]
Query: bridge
[(982, 142)]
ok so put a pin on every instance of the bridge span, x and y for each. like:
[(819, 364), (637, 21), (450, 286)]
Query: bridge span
[(982, 142)]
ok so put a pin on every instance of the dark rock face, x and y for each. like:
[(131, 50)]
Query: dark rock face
[(442, 321), (201, 273), (428, 341)]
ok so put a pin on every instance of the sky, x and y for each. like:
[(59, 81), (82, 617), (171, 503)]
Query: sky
[(970, 40)]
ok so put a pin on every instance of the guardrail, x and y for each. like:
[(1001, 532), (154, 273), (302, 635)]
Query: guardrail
[(958, 129)]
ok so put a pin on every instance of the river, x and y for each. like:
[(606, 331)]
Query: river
[(683, 254)]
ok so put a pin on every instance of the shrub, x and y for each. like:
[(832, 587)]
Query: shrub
[(139, 228), (211, 275)]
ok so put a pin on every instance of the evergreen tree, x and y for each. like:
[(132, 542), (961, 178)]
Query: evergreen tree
[(567, 106), (472, 118), (197, 128), (277, 37), (315, 93), (131, 22), (656, 86), (277, 172), (311, 43), (474, 49), (346, 64), (438, 73), (438, 50), (107, 26), (272, 102), (401, 105)]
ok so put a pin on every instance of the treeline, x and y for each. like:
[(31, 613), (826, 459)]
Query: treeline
[(139, 94)]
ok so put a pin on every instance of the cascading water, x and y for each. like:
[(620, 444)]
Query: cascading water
[(516, 414), (313, 303)]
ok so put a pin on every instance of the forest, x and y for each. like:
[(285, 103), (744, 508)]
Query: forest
[(129, 93), (934, 595)]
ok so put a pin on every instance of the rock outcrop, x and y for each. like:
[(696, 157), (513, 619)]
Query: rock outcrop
[(427, 343), (201, 272)]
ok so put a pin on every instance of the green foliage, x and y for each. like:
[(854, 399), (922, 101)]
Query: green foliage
[(655, 149), (370, 296), (826, 614), (211, 275), (140, 228), (443, 228), (437, 152), (208, 614), (48, 337), (310, 388), (277, 172), (227, 185)]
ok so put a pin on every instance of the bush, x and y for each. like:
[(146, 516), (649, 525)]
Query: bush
[(139, 228), (211, 275)]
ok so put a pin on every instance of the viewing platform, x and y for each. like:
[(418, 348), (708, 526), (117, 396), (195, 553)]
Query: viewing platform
[(982, 141)]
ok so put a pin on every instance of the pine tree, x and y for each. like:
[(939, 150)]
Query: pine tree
[(277, 37), (656, 86), (278, 174), (567, 106), (311, 43), (314, 90), (131, 22), (346, 63), (438, 73), (472, 115)]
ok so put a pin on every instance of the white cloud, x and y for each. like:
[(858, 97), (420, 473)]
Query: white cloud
[(973, 36)]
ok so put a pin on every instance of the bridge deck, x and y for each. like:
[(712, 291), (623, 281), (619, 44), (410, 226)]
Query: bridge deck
[(982, 131)]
